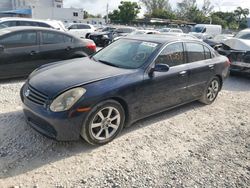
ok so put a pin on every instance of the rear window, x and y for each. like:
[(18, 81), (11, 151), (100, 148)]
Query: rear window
[(195, 52)]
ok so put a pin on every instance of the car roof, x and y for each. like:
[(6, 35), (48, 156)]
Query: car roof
[(24, 19), (25, 28), (158, 38)]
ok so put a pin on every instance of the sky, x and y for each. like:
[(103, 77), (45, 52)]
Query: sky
[(99, 6)]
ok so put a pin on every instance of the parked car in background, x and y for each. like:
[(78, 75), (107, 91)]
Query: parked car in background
[(237, 49), (17, 21), (171, 30), (139, 32), (104, 38), (80, 29), (130, 79), (23, 49), (206, 31), (218, 40)]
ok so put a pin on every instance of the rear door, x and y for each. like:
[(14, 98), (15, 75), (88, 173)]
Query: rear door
[(201, 67), (54, 46), (20, 53)]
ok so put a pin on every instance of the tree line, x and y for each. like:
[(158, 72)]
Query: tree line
[(186, 10)]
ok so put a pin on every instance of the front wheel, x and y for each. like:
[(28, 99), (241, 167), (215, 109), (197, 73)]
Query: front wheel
[(105, 122), (211, 91)]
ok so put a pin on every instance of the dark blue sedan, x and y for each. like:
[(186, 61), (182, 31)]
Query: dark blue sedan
[(134, 77)]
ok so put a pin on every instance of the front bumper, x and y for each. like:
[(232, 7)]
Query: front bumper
[(62, 126)]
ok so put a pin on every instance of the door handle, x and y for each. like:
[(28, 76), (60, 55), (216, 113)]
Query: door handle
[(211, 66), (33, 53), (183, 73)]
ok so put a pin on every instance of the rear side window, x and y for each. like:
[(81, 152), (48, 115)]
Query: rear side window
[(207, 53), (172, 55), (195, 52), (52, 38), (44, 25), (20, 39), (67, 38)]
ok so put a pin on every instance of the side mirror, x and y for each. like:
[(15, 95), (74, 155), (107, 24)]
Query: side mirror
[(161, 68), (1, 48)]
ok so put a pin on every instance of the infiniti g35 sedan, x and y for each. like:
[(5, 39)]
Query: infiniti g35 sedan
[(23, 49), (132, 78)]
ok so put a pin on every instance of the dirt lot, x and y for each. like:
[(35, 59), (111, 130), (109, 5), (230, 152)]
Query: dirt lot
[(191, 146)]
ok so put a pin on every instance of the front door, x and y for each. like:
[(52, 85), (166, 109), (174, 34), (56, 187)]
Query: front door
[(166, 89)]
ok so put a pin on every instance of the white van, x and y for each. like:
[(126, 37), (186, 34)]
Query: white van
[(206, 31)]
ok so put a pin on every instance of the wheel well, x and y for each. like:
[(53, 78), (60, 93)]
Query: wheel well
[(125, 107), (221, 82)]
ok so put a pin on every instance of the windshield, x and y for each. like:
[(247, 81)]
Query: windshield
[(198, 29), (2, 25), (243, 35), (126, 53)]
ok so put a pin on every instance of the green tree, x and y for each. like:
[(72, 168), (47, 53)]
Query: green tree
[(184, 7), (241, 17), (154, 5), (128, 11), (207, 7), (163, 14), (114, 16)]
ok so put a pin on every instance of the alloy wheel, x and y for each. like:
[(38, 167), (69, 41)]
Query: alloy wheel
[(105, 123), (213, 90)]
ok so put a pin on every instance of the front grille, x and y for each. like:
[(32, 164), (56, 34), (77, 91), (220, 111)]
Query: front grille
[(36, 96)]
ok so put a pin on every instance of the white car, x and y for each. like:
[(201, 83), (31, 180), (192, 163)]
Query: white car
[(17, 21), (80, 29), (171, 30)]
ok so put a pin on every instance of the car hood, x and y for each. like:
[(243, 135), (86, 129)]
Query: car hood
[(238, 44), (57, 77)]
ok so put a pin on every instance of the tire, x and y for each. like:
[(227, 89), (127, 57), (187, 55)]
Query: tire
[(211, 91), (99, 130)]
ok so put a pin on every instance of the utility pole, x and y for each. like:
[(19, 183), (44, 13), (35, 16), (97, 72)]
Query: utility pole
[(107, 14)]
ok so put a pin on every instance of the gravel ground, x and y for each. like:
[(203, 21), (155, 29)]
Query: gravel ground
[(191, 146)]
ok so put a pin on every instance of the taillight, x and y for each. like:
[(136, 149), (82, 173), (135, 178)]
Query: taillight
[(91, 46)]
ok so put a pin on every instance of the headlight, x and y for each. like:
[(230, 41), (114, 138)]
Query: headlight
[(66, 100)]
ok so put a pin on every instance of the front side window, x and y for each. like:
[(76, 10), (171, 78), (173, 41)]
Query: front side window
[(126, 53), (52, 38), (27, 23), (20, 39), (195, 52), (172, 55)]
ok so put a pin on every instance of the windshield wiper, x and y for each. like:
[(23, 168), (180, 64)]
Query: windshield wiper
[(108, 63)]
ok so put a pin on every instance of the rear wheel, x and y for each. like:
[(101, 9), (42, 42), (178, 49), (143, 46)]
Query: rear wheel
[(104, 123), (211, 91)]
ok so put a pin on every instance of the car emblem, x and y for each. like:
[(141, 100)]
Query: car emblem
[(27, 93)]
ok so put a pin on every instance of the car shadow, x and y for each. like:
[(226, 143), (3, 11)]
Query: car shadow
[(22, 149), (237, 83)]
